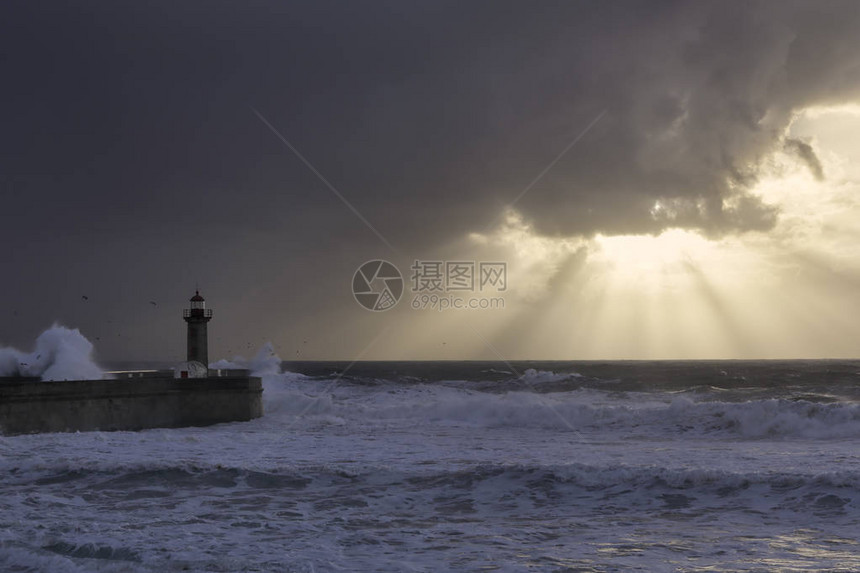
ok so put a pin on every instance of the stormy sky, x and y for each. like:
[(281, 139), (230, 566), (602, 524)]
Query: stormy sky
[(264, 150)]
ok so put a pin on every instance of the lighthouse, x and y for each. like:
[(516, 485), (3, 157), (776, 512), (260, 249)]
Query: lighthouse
[(197, 318)]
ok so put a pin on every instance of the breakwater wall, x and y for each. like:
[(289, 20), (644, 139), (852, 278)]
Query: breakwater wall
[(28, 406)]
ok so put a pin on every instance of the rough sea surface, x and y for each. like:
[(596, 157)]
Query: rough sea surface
[(550, 466)]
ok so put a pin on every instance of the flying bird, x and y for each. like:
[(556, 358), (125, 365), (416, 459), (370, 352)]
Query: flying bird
[(85, 297)]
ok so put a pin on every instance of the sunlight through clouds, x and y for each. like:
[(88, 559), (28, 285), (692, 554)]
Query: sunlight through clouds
[(533, 260), (680, 294)]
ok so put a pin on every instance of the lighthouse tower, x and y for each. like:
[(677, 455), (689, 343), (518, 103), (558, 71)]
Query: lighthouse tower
[(197, 317)]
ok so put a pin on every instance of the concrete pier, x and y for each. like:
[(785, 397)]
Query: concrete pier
[(28, 406)]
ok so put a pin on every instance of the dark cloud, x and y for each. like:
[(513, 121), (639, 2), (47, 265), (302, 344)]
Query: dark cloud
[(697, 96), (131, 156), (805, 152)]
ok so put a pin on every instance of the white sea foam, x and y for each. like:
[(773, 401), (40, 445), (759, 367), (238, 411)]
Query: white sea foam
[(770, 418), (342, 475), (532, 377), (265, 363), (582, 410), (61, 354)]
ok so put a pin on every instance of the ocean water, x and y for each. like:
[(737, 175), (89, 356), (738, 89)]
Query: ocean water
[(469, 466)]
